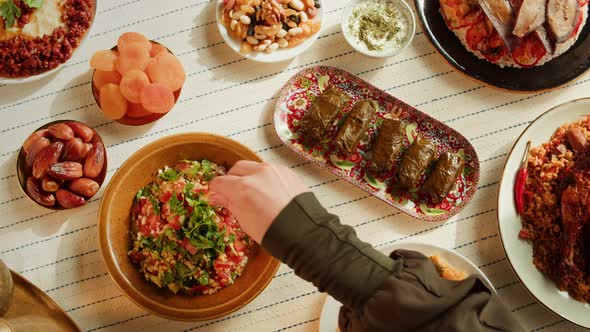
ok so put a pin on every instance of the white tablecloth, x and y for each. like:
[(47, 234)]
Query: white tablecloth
[(227, 95)]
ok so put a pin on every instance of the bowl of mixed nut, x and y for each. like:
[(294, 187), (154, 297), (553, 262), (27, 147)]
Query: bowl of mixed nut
[(62, 164), (270, 30)]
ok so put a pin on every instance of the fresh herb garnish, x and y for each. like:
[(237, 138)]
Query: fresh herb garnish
[(182, 271), (10, 12), (170, 246), (169, 174), (176, 206), (204, 279), (146, 242), (34, 3), (167, 278)]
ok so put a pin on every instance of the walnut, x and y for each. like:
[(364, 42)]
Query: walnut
[(272, 12)]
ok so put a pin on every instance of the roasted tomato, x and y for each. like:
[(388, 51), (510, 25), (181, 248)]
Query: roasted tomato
[(461, 13), (530, 51), (484, 38)]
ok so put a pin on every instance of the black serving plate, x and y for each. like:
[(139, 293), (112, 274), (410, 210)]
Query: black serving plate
[(552, 74)]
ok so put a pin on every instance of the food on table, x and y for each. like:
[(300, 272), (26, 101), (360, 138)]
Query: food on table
[(269, 25), (531, 16), (39, 35), (139, 79), (157, 98), (166, 69), (502, 17), (388, 145), (516, 33), (444, 176), (319, 120), (134, 57), (445, 269), (520, 182), (105, 61), (557, 208), (137, 111), (179, 241), (101, 78), (355, 126), (375, 163), (415, 162), (130, 40), (112, 102), (377, 26), (460, 14), (63, 164), (132, 84), (561, 18)]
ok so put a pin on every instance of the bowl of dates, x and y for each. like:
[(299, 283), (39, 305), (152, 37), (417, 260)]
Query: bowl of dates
[(62, 164)]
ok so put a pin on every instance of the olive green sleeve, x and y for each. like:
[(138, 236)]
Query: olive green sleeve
[(402, 292), (321, 250)]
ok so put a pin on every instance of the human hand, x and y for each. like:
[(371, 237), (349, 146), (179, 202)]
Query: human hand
[(255, 193)]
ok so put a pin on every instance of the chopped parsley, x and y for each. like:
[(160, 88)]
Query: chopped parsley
[(185, 249), (169, 174)]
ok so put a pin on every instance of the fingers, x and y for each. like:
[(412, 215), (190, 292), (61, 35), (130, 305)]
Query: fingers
[(224, 185), (221, 189), (244, 167), (218, 200)]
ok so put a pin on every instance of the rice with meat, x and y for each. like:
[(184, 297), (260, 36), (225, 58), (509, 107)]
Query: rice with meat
[(542, 220)]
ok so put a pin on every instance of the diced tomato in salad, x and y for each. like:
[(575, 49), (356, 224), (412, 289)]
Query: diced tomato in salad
[(179, 241)]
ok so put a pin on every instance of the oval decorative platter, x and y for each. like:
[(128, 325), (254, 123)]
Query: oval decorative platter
[(301, 90)]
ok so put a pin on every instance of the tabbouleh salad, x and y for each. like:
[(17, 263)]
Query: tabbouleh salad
[(179, 241)]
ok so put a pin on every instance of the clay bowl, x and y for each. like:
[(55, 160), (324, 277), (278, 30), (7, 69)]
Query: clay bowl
[(129, 121), (114, 226), (23, 173)]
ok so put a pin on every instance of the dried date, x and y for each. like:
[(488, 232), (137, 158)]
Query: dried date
[(50, 185), (94, 161), (69, 200), (61, 131), (47, 157), (33, 138), (35, 191), (74, 150), (34, 149), (82, 131), (84, 187), (67, 170)]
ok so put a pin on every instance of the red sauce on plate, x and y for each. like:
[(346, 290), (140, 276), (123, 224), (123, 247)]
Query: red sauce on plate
[(23, 57)]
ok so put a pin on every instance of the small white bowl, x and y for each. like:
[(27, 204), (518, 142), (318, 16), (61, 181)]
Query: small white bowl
[(277, 56), (33, 78), (404, 8)]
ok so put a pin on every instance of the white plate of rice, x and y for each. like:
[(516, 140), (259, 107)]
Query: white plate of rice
[(519, 252)]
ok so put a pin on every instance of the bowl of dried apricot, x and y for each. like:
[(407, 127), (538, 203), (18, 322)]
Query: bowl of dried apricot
[(62, 164), (136, 82)]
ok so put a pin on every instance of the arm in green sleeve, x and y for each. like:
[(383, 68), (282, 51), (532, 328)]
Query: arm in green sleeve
[(398, 293)]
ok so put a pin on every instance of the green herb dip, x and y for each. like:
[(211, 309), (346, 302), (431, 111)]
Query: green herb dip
[(378, 25)]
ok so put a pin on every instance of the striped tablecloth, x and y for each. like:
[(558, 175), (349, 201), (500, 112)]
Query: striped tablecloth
[(228, 95)]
